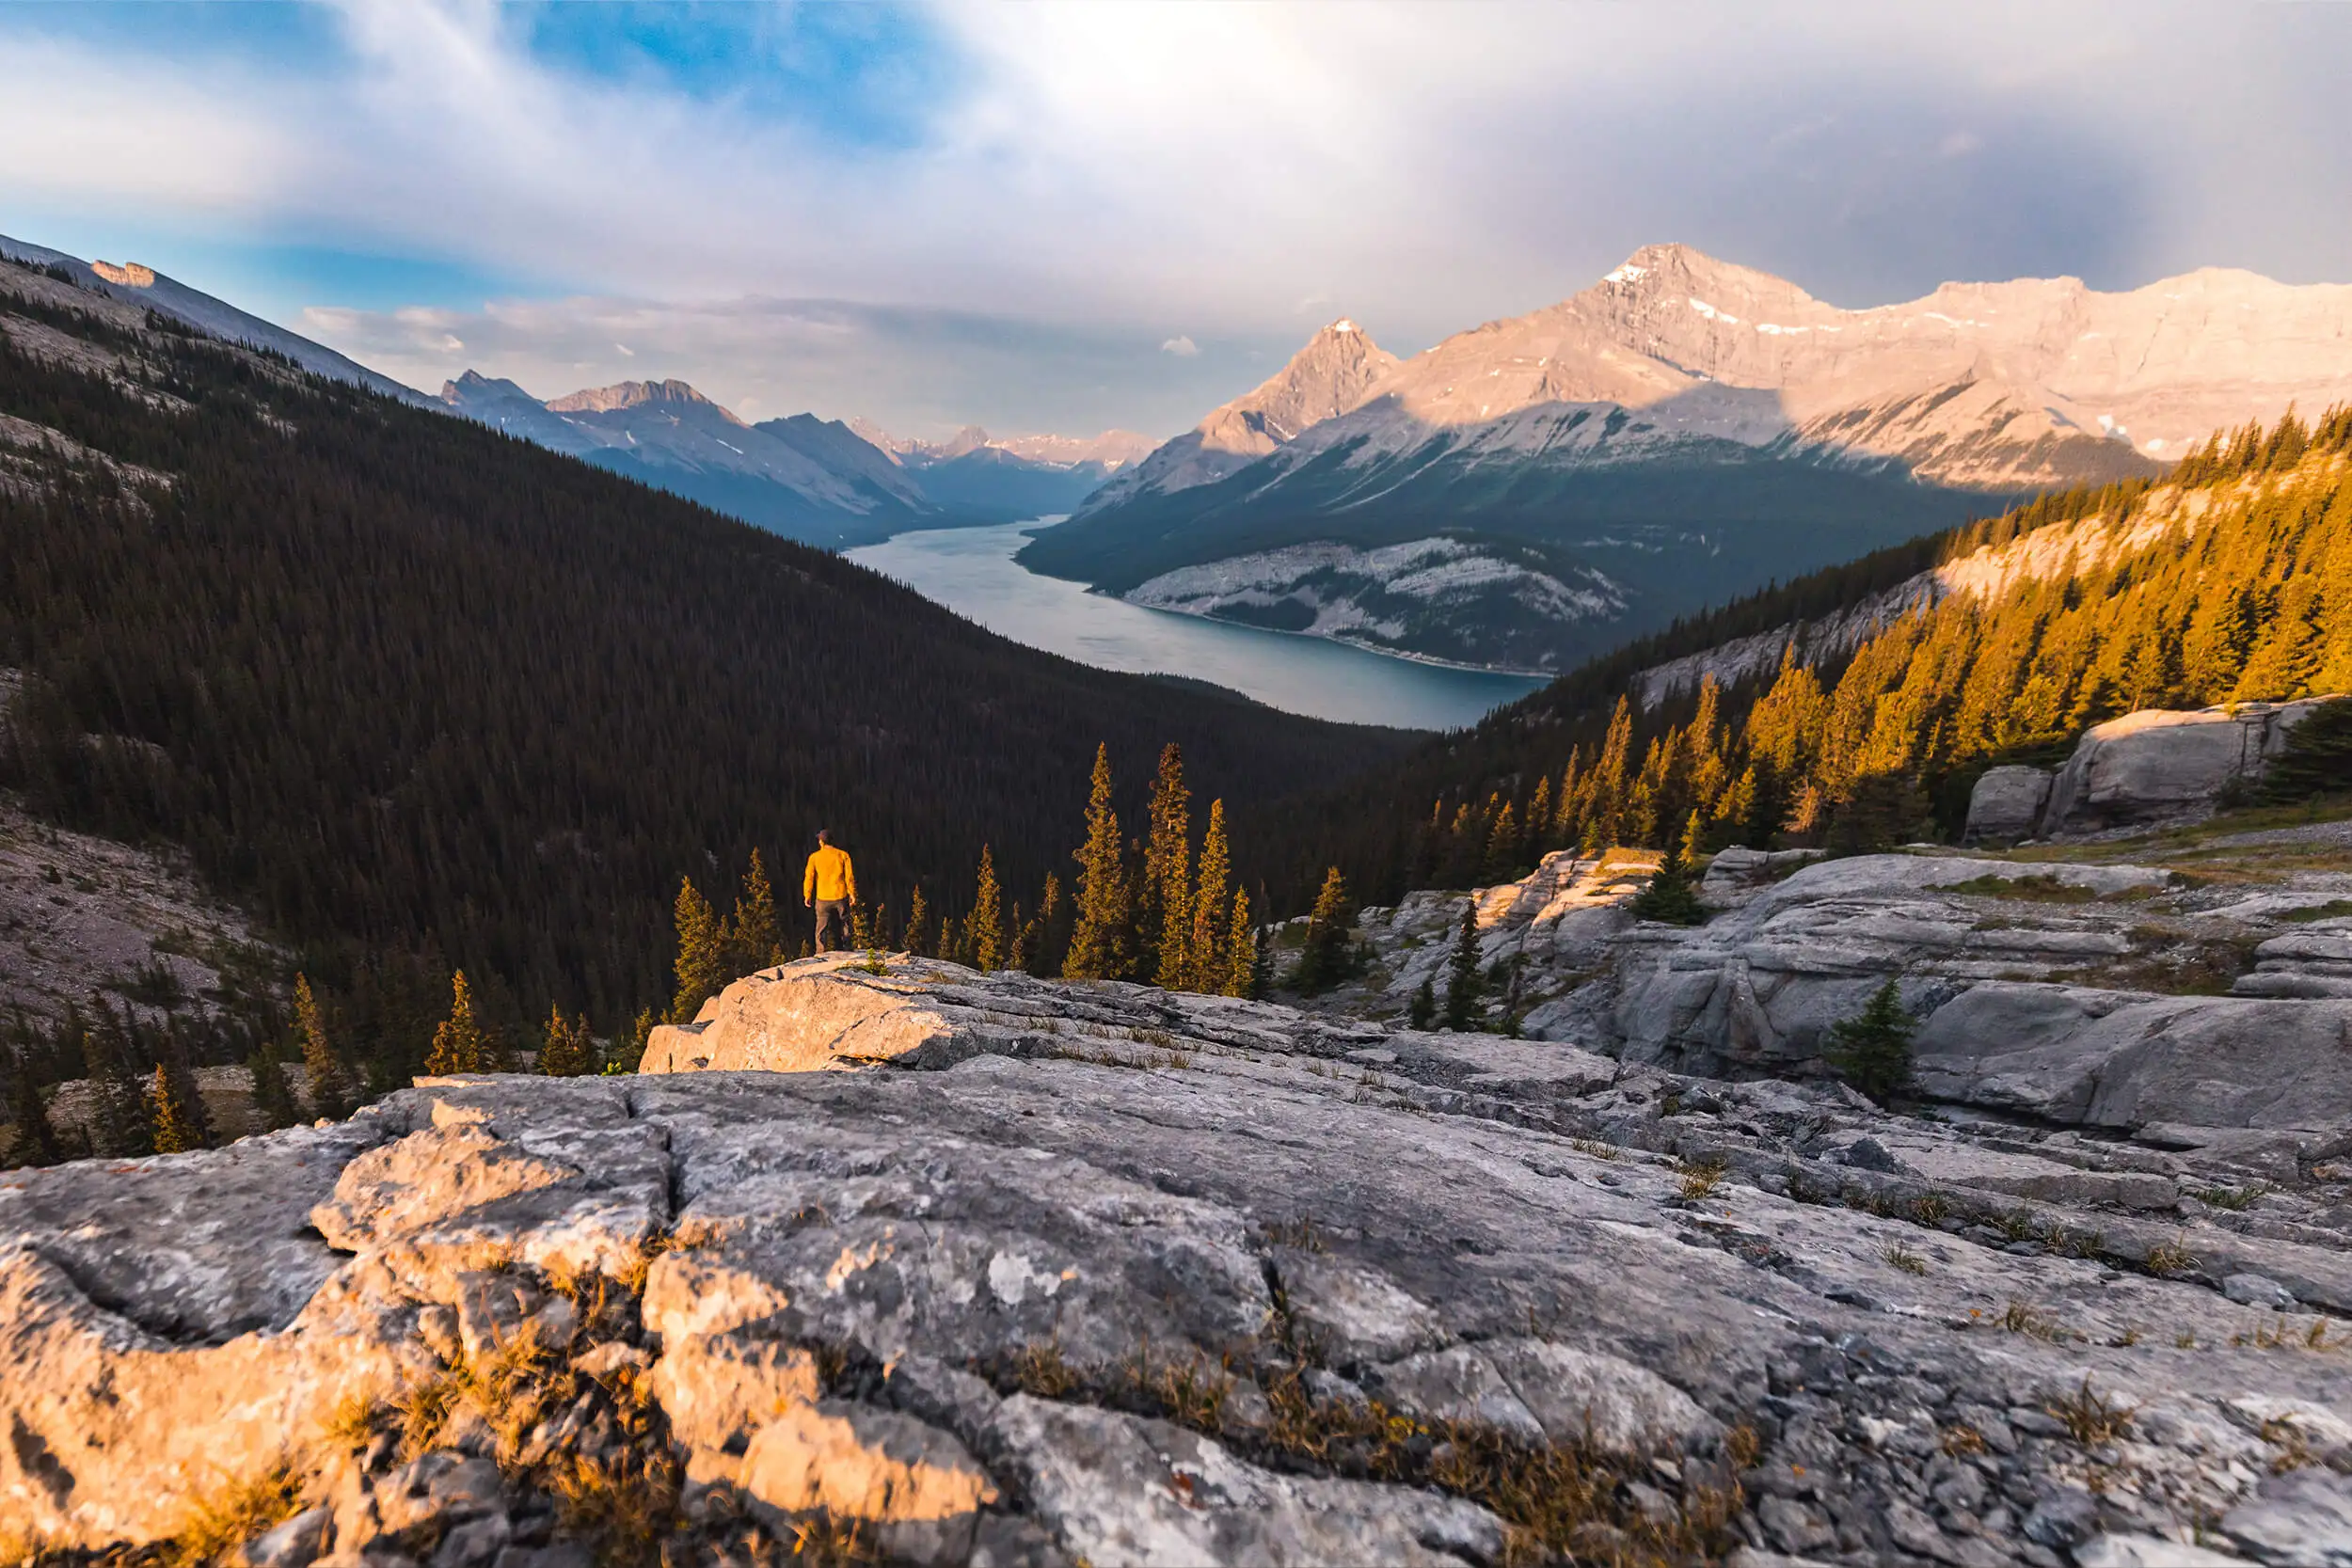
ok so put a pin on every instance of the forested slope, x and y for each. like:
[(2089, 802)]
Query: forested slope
[(2229, 580), (420, 695)]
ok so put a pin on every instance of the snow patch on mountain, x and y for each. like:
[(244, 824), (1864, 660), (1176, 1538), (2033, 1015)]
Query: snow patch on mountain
[(1438, 597)]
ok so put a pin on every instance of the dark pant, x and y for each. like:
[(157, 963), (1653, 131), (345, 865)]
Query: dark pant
[(832, 925)]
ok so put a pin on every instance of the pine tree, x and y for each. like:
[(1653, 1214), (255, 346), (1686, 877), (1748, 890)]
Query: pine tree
[(1241, 950), (33, 1139), (569, 1050), (1502, 846), (1668, 899), (459, 1043), (1165, 916), (330, 1083), (2317, 759), (1212, 901), (1425, 1008), (987, 924), (1326, 959), (756, 936), (181, 1125), (122, 1126), (1537, 836), (273, 1099), (1053, 937), (1872, 1049), (1461, 990), (1102, 944), (1021, 953), (701, 954), (919, 940)]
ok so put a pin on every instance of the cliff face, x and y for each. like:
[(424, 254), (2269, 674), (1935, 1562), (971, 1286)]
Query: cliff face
[(1027, 1272)]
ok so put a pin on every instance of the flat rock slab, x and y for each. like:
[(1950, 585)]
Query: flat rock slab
[(937, 1293)]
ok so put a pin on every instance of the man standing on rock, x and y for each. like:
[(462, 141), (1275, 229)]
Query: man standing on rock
[(829, 886)]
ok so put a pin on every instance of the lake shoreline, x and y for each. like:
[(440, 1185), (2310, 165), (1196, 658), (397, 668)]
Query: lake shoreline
[(971, 571)]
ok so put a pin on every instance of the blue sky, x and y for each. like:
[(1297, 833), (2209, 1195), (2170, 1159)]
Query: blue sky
[(937, 214)]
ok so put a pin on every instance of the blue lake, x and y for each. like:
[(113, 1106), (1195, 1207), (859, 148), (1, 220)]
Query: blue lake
[(972, 572)]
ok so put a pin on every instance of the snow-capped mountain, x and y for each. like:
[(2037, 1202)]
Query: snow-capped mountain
[(1691, 429), (1019, 477), (136, 284), (801, 477), (1332, 375)]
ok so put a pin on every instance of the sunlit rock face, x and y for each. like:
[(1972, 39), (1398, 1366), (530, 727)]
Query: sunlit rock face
[(1011, 1270)]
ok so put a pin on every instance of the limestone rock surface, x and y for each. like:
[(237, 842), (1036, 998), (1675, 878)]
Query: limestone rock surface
[(1101, 1273)]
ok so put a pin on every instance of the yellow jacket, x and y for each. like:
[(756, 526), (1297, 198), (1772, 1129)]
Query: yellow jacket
[(828, 876)]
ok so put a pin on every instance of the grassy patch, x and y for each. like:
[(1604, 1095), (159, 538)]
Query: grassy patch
[(2044, 889), (2090, 1418), (235, 1513), (2333, 909)]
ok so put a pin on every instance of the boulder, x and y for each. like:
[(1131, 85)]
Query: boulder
[(2158, 763), (2006, 803)]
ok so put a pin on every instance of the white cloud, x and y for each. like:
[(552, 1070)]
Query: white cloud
[(1182, 347), (1092, 168)]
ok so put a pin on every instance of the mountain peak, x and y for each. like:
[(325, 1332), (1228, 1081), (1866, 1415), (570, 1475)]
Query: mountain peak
[(626, 395)]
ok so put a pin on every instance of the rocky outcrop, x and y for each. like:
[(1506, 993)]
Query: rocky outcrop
[(1071, 1272), (2048, 991), (2141, 767)]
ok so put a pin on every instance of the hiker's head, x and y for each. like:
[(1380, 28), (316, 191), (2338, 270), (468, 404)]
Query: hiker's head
[(824, 835)]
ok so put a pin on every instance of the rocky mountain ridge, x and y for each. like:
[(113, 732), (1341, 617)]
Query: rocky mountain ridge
[(1691, 428)]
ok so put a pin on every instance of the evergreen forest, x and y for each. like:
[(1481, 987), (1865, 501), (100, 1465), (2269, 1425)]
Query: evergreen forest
[(423, 698), (2229, 580)]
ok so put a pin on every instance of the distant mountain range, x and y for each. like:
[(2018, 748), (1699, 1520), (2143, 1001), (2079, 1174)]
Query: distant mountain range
[(1682, 431), (823, 482)]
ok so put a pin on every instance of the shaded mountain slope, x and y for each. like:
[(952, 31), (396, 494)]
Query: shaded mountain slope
[(401, 684)]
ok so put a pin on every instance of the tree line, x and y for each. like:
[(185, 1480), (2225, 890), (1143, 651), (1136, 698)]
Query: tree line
[(2235, 585)]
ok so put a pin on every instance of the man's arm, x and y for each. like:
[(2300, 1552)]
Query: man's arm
[(808, 882), (849, 876)]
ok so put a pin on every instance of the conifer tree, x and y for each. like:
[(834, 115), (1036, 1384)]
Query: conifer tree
[(1872, 1049), (2317, 759), (181, 1125), (1502, 845), (1241, 950), (1324, 960), (33, 1138), (1425, 1007), (1669, 897), (460, 1042), (569, 1050), (1165, 914), (1102, 942), (1053, 936), (273, 1098), (1461, 990), (122, 1126), (1021, 949), (756, 936), (701, 954), (919, 940), (987, 922), (1212, 902), (330, 1082)]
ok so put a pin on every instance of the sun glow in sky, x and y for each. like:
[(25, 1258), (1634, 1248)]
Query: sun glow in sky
[(1073, 216)]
